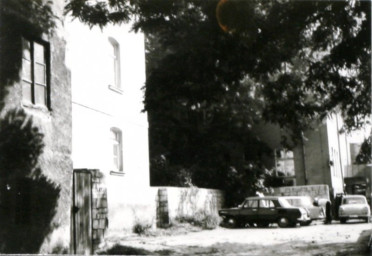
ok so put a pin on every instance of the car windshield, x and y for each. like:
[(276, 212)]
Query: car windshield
[(354, 200)]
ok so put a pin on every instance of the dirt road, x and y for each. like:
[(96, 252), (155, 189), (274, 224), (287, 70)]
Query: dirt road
[(316, 239)]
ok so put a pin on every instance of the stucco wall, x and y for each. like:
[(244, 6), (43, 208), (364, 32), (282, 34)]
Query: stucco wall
[(315, 152), (186, 202), (319, 191), (55, 124), (96, 108), (337, 153)]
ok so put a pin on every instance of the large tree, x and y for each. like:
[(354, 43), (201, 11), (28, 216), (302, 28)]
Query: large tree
[(216, 67)]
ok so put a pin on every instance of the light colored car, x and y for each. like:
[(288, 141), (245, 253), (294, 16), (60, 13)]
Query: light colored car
[(354, 207), (315, 212)]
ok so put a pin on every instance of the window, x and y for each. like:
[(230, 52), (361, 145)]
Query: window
[(35, 73), (251, 204), (284, 162), (266, 203), (115, 60), (117, 155)]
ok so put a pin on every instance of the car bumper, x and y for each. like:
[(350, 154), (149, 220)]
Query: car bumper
[(354, 216), (303, 219)]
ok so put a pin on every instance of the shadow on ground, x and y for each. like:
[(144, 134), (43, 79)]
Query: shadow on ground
[(128, 250)]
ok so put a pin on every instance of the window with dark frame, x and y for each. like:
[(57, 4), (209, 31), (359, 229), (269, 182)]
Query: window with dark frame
[(35, 72)]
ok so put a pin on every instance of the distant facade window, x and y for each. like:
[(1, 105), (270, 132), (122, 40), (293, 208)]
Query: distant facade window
[(284, 162), (115, 80), (35, 73), (117, 146)]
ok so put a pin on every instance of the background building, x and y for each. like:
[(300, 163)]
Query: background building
[(325, 155)]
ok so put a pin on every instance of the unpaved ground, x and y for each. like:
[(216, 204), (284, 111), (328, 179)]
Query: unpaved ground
[(316, 239)]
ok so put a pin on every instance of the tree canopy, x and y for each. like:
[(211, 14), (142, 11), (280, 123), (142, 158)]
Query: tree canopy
[(215, 68)]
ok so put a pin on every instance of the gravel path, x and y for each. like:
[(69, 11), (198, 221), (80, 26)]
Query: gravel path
[(316, 239)]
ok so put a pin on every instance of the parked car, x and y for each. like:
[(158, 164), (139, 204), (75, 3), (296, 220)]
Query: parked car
[(263, 211), (315, 212), (354, 207)]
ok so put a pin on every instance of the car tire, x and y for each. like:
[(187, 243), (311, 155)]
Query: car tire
[(307, 223), (231, 222), (284, 222), (343, 220), (367, 219), (263, 224)]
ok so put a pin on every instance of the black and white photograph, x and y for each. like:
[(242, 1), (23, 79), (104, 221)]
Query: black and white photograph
[(185, 127)]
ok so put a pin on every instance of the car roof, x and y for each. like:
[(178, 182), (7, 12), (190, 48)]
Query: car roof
[(263, 197), (296, 197), (354, 196)]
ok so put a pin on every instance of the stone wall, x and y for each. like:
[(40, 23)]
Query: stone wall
[(319, 191), (99, 208)]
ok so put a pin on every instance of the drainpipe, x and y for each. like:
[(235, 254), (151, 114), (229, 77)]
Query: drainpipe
[(303, 157), (339, 153)]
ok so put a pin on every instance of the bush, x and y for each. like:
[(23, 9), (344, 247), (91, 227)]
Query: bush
[(141, 228), (201, 219)]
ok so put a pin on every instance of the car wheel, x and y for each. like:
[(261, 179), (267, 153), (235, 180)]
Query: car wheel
[(342, 220), (284, 222), (252, 224), (367, 219), (263, 224), (307, 223), (231, 222)]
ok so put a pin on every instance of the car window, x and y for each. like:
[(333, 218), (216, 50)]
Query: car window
[(354, 200), (265, 203), (284, 203), (250, 204)]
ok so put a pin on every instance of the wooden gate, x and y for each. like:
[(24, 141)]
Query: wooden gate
[(82, 212)]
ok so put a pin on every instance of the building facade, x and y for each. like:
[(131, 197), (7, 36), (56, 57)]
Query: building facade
[(109, 129), (36, 118), (325, 156), (77, 108)]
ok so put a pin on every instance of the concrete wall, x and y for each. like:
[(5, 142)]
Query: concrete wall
[(311, 160), (319, 191), (187, 202), (96, 108), (55, 162)]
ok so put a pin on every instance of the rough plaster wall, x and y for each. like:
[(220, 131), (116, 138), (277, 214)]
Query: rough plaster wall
[(55, 162), (319, 191), (316, 158), (186, 202), (335, 151)]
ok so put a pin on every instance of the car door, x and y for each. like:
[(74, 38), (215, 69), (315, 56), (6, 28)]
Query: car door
[(267, 210), (249, 210)]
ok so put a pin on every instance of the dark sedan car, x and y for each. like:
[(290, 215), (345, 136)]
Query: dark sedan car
[(262, 211)]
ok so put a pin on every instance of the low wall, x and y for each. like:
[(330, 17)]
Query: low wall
[(319, 191), (174, 202)]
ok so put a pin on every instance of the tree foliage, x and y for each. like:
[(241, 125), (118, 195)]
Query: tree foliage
[(214, 68), (365, 153)]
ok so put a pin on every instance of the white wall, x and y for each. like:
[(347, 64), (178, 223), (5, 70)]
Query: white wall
[(96, 108)]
